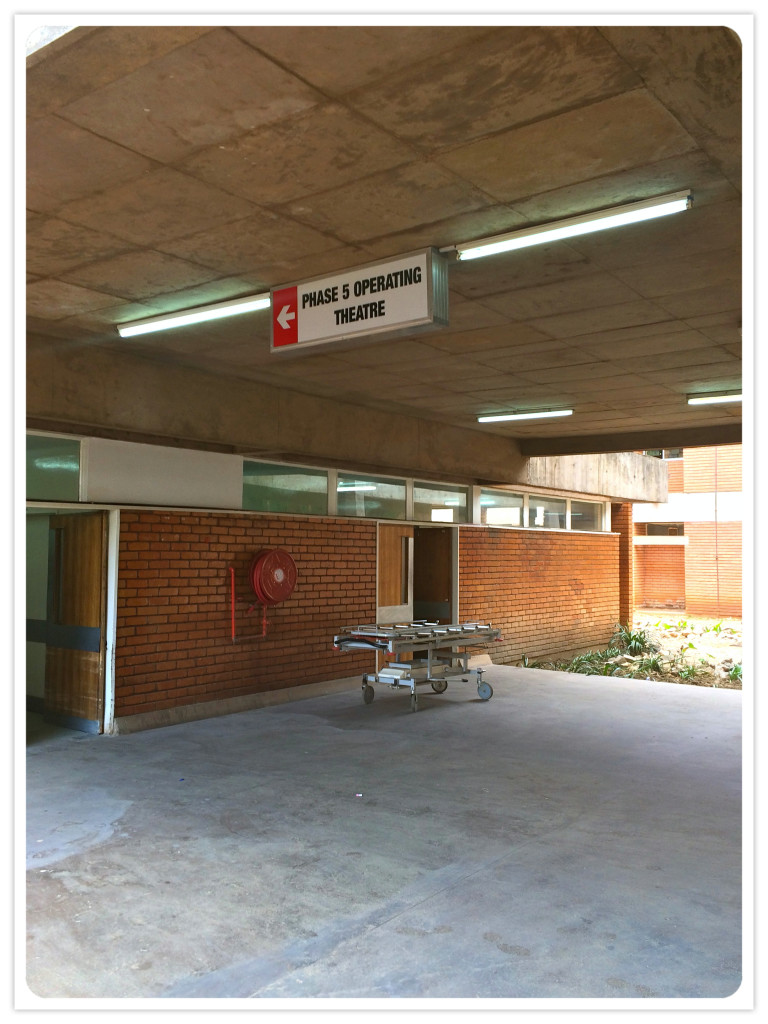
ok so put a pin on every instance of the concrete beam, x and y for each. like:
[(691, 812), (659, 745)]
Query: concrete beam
[(638, 440), (84, 389), (620, 476)]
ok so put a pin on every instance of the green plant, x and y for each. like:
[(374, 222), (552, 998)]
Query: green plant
[(606, 669), (652, 663), (687, 672), (735, 673), (633, 641), (587, 663)]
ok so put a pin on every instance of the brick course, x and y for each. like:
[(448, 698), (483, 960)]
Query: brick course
[(622, 523), (713, 569), (707, 470), (174, 637), (660, 577), (547, 592), (704, 577), (675, 476)]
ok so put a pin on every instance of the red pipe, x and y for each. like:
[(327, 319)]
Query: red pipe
[(232, 592)]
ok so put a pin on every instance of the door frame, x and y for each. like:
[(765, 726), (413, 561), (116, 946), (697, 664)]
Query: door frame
[(112, 548), (454, 528)]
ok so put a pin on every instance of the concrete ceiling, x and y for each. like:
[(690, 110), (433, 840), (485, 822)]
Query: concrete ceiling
[(170, 167)]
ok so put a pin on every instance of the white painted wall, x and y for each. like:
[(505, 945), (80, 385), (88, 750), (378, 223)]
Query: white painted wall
[(723, 507), (123, 472)]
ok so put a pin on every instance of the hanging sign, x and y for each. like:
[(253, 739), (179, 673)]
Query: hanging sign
[(394, 297)]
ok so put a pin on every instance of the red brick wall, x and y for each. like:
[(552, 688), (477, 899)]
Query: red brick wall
[(712, 469), (174, 643), (622, 523), (548, 592), (660, 576), (713, 569), (675, 476)]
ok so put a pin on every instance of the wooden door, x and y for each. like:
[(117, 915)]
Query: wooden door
[(433, 573), (395, 571), (76, 619)]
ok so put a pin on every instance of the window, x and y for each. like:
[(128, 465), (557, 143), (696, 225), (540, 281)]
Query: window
[(586, 515), (546, 513), (53, 468), (664, 529), (439, 503), (665, 453), (270, 488), (500, 508), (377, 497)]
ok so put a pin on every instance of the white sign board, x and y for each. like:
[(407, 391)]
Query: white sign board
[(381, 298)]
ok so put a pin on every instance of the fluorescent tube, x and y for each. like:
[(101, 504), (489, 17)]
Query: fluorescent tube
[(524, 416), (199, 315), (713, 399), (556, 231)]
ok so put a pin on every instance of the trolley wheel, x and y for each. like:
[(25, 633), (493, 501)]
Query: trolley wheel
[(484, 691), (414, 702), (440, 685), (368, 694)]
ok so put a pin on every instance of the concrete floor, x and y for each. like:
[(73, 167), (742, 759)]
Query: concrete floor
[(572, 838)]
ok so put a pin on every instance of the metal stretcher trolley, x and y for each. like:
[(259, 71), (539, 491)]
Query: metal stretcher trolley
[(434, 650)]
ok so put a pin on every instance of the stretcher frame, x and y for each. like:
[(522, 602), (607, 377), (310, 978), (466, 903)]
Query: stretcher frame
[(437, 646)]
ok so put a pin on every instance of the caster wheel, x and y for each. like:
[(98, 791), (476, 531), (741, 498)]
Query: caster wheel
[(440, 685), (368, 694), (484, 691), (414, 702)]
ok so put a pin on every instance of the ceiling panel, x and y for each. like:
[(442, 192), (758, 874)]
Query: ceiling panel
[(176, 166)]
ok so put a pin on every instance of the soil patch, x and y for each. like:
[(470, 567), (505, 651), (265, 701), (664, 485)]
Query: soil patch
[(713, 647), (672, 648)]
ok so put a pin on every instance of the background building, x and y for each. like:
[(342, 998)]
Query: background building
[(688, 549)]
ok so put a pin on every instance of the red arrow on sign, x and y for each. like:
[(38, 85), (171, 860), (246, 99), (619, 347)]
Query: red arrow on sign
[(285, 317)]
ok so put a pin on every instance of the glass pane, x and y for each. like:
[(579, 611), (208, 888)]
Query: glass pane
[(268, 488), (499, 508), (371, 496), (586, 515), (665, 529), (53, 468), (548, 513), (440, 503)]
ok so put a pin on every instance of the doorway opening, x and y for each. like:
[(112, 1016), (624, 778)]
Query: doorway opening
[(417, 573)]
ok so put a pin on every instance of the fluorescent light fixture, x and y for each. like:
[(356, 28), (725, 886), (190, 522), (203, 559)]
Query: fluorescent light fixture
[(356, 487), (201, 314), (503, 417), (733, 396), (585, 224)]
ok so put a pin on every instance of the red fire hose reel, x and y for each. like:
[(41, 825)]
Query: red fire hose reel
[(272, 576)]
